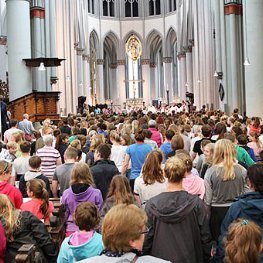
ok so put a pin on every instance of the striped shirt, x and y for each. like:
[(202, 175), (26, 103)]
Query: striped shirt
[(49, 157)]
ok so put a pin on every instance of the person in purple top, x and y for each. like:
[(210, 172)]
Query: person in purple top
[(137, 154), (82, 189)]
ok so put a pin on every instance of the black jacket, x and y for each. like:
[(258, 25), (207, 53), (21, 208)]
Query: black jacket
[(103, 172), (23, 188), (178, 228), (31, 231)]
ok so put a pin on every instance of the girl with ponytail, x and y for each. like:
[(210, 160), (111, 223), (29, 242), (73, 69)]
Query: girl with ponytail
[(40, 205)]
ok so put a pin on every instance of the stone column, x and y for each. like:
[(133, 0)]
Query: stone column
[(80, 82), (121, 85), (86, 79), (253, 73), (100, 81), (19, 47), (182, 76), (114, 92), (153, 88), (189, 69), (167, 71), (38, 45), (146, 81)]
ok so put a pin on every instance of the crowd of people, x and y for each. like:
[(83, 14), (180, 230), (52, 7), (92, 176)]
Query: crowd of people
[(143, 186)]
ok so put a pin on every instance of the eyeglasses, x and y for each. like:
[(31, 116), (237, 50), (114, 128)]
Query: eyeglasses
[(145, 231)]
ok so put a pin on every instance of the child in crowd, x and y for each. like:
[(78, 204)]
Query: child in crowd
[(119, 193), (33, 173), (86, 242), (40, 206), (22, 227), (5, 187), (12, 148), (82, 189), (243, 242), (191, 183)]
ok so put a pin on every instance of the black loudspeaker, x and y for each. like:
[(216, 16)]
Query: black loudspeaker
[(81, 101), (155, 103)]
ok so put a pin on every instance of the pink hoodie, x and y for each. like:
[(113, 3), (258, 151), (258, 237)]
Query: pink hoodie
[(194, 185)]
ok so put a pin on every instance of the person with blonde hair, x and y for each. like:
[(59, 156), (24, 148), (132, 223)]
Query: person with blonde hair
[(82, 189), (191, 183), (117, 150), (22, 227), (96, 140), (5, 187), (177, 221), (39, 205), (77, 144), (208, 150), (243, 242), (225, 180), (151, 181), (123, 231)]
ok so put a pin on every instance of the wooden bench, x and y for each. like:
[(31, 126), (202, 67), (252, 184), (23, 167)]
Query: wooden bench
[(57, 225), (26, 254)]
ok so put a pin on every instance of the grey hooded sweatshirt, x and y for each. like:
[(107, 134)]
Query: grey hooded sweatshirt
[(178, 228)]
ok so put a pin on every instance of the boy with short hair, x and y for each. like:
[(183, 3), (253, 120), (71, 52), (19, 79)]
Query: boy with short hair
[(33, 173)]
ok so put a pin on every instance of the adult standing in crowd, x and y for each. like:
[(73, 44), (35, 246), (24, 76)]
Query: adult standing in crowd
[(13, 128), (4, 116), (177, 221), (103, 169), (62, 173), (248, 206), (27, 127), (50, 157), (225, 180), (137, 154)]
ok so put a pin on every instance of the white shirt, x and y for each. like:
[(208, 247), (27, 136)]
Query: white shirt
[(117, 155), (146, 192)]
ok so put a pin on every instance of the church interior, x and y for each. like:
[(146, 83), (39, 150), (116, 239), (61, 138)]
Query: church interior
[(125, 52)]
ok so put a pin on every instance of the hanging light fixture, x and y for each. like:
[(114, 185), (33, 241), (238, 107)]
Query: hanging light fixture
[(246, 62), (41, 67), (215, 74)]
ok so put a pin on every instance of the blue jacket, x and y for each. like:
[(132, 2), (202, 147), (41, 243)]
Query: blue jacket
[(248, 206), (69, 253)]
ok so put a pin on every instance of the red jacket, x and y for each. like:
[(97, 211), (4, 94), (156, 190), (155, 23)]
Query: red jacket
[(12, 192), (2, 244)]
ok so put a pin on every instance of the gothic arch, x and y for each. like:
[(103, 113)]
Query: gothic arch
[(94, 42), (111, 39), (170, 41), (153, 44), (110, 55)]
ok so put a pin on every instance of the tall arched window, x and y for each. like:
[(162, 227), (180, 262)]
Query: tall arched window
[(133, 68), (172, 5), (108, 7), (91, 6), (154, 7), (131, 8)]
